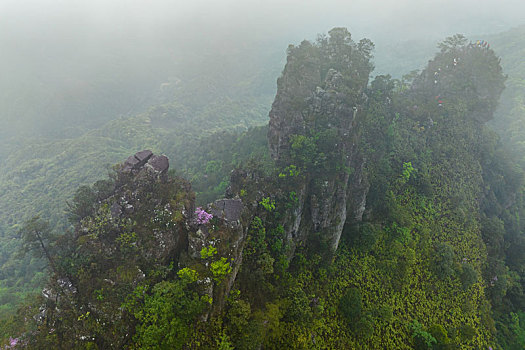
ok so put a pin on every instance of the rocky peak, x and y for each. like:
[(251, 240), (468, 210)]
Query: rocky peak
[(137, 161), (313, 126), (145, 162)]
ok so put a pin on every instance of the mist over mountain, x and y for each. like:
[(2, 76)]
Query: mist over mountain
[(77, 65), (362, 188)]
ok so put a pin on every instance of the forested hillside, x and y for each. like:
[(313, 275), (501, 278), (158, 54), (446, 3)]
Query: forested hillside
[(371, 214), (40, 172)]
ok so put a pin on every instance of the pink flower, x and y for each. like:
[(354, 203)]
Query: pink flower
[(12, 343), (202, 217)]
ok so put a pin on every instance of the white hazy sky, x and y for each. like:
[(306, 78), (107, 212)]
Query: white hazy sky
[(263, 18)]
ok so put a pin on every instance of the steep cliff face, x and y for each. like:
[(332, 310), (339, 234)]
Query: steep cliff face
[(226, 231), (182, 232), (286, 115), (313, 127), (131, 232)]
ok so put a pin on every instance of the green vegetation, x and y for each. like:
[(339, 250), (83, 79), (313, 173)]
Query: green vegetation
[(46, 183), (436, 262)]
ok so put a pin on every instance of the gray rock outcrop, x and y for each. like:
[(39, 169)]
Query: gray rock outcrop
[(321, 96)]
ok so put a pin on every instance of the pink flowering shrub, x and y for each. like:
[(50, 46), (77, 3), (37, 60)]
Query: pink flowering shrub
[(202, 217), (12, 343)]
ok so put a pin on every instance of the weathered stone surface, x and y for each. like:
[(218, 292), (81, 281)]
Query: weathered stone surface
[(227, 209), (145, 164), (159, 163), (321, 90), (358, 190), (116, 210), (143, 156), (130, 164), (327, 197), (139, 178), (198, 239), (286, 115), (228, 235), (136, 161)]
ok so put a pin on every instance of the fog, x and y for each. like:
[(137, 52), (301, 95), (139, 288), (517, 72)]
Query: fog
[(197, 17), (94, 60), (215, 23)]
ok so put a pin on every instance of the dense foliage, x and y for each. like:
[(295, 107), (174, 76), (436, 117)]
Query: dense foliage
[(40, 177), (437, 261)]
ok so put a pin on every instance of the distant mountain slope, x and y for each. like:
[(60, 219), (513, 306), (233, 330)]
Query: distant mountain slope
[(510, 116)]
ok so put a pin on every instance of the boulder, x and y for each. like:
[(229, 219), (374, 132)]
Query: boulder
[(227, 209), (143, 156), (159, 164), (136, 161)]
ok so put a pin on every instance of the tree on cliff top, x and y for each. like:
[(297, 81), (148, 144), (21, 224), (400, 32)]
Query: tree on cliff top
[(452, 42)]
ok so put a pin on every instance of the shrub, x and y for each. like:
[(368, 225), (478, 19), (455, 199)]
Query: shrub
[(351, 305), (443, 261), (468, 276), (422, 339)]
